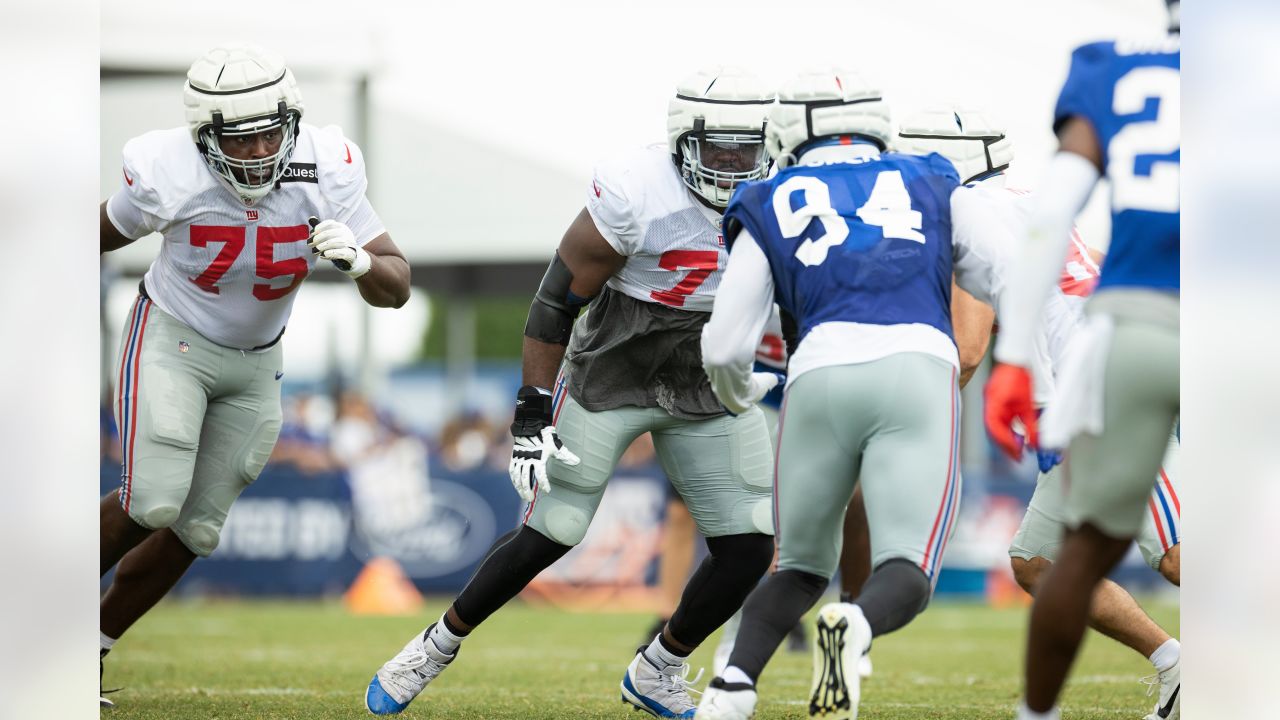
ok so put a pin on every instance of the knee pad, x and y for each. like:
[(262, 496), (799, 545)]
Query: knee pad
[(762, 516), (200, 538), (565, 524), (154, 517), (259, 444)]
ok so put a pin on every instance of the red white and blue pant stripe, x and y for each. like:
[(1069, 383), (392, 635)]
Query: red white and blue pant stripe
[(949, 505), (1166, 511), (127, 393)]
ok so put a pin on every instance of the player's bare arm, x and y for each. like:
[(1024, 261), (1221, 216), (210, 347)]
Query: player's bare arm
[(387, 282), (1078, 136), (971, 321), (588, 261), (109, 238)]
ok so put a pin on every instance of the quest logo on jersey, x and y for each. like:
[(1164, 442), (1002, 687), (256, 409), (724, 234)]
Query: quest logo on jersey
[(299, 172)]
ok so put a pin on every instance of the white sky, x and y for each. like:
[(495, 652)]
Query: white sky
[(554, 87)]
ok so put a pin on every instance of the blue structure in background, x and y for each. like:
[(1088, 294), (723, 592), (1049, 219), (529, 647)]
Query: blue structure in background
[(294, 534)]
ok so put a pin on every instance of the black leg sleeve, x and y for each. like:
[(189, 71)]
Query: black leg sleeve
[(895, 593), (719, 585), (504, 573), (770, 613)]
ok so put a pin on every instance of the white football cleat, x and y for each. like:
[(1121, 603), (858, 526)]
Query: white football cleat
[(842, 637), (400, 680), (727, 701), (660, 691), (1170, 683)]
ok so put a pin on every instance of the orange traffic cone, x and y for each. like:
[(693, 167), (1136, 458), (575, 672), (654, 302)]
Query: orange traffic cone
[(382, 588)]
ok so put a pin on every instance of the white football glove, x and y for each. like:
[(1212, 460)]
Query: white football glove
[(529, 458), (334, 241), (536, 442), (737, 399), (762, 383)]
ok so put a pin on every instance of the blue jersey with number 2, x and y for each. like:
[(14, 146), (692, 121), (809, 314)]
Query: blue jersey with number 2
[(1130, 93), (864, 242)]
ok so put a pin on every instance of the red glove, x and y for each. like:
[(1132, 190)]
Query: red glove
[(1008, 396)]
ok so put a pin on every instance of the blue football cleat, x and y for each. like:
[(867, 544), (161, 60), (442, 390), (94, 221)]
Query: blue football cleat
[(660, 691), (400, 680)]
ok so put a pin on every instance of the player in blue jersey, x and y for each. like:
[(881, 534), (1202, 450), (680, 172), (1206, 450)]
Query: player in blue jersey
[(1117, 115), (857, 247)]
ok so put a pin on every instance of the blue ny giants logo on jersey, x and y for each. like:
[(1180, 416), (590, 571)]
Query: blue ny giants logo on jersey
[(1130, 93), (866, 242)]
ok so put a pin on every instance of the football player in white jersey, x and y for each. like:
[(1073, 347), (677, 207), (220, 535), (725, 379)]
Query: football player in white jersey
[(248, 198), (980, 151), (646, 256)]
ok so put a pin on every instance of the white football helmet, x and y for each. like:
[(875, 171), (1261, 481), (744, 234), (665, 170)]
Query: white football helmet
[(825, 103), (715, 131), (975, 145), (242, 90)]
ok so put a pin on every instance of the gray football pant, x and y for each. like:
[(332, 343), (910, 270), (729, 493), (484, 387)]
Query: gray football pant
[(720, 466), (197, 423), (893, 423), (1109, 475)]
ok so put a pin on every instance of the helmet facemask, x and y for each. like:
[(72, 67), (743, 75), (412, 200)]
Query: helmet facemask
[(252, 179), (714, 162)]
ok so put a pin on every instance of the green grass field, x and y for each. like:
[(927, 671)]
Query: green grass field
[(236, 659)]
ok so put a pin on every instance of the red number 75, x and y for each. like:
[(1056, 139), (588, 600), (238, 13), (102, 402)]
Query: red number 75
[(266, 265)]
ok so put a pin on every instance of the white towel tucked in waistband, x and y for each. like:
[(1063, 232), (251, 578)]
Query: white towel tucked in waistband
[(1077, 404)]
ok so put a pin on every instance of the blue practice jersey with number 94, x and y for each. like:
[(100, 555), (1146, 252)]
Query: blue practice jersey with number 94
[(864, 242), (1130, 93)]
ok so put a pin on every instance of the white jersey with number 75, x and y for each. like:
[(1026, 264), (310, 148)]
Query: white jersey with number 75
[(227, 270)]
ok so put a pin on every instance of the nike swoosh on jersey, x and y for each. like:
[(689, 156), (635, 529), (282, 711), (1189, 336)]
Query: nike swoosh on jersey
[(344, 145), (127, 178)]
